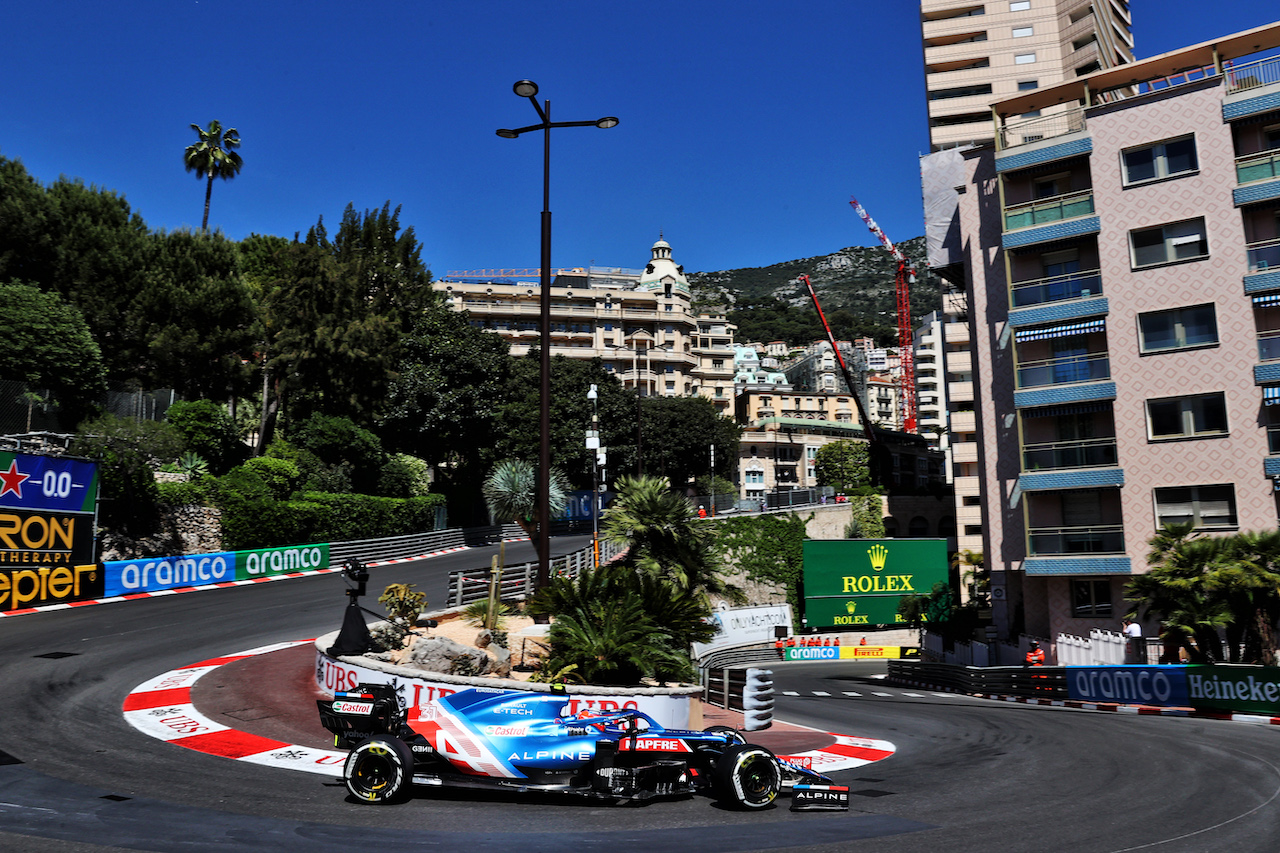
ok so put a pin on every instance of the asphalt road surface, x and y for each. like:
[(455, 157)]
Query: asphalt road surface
[(969, 774)]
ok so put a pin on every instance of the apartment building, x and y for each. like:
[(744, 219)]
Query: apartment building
[(639, 322), (979, 52), (975, 54), (1119, 259)]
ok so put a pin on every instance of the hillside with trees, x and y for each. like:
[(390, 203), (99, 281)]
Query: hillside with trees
[(855, 285)]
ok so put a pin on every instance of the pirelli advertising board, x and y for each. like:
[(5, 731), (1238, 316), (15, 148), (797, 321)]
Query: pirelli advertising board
[(46, 531), (859, 582)]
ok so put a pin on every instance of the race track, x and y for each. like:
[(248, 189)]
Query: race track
[(969, 774)]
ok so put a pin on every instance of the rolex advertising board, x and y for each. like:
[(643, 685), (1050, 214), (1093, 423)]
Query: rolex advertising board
[(854, 582)]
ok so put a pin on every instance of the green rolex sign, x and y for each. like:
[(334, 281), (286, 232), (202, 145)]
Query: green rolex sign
[(853, 582)]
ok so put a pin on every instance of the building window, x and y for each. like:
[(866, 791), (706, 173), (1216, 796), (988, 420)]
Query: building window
[(1019, 5), (1205, 507), (918, 528), (1179, 328), (1022, 32), (1187, 417), (1166, 159), (1090, 598), (717, 364), (1166, 244), (1024, 85), (960, 92), (1024, 59)]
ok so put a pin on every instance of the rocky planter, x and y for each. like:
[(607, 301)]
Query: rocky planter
[(673, 707)]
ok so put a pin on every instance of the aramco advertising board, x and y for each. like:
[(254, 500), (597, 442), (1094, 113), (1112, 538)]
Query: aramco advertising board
[(852, 582)]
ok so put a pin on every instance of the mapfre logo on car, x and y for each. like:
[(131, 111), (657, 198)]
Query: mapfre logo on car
[(344, 707), (652, 744)]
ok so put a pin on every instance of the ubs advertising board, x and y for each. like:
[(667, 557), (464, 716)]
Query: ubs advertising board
[(46, 531), (851, 582)]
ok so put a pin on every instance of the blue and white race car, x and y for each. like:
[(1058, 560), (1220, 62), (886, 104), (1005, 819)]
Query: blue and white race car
[(488, 738)]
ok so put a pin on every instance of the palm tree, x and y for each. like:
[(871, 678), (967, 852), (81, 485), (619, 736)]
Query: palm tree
[(511, 491), (1179, 590), (213, 157), (664, 535)]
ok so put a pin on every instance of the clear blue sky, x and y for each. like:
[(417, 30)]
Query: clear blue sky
[(745, 125)]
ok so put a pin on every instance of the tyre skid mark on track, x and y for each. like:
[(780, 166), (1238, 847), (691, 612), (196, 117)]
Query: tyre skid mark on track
[(161, 708)]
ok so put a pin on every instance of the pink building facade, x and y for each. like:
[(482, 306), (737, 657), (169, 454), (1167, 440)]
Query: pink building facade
[(1122, 263)]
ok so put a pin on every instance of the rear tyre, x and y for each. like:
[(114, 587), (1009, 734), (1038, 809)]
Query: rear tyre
[(379, 770), (748, 776)]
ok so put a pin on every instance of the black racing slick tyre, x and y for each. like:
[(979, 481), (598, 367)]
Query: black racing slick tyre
[(730, 732), (748, 776), (379, 770)]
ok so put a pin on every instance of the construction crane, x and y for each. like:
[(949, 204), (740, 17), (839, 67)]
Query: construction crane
[(904, 278)]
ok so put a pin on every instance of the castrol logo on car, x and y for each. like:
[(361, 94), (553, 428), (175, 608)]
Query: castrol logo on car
[(342, 706)]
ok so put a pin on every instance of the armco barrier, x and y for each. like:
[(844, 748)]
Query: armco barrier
[(1043, 682)]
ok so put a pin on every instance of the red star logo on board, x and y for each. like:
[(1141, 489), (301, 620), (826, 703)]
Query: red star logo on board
[(13, 480)]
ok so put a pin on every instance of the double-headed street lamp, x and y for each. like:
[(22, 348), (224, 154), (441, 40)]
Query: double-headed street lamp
[(529, 89)]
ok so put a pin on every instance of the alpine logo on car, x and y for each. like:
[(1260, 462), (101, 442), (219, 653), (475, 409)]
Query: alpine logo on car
[(341, 706)]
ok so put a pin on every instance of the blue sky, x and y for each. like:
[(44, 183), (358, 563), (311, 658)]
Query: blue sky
[(745, 126)]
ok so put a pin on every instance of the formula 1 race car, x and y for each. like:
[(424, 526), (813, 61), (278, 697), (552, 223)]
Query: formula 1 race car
[(489, 738)]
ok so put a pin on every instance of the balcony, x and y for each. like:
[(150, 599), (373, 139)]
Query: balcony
[(1064, 370), (1264, 255), (1094, 539), (1269, 345), (1076, 285), (1013, 134), (1252, 168), (1090, 453), (1045, 211)]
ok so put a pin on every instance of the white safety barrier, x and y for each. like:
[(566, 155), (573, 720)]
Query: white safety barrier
[(1102, 648)]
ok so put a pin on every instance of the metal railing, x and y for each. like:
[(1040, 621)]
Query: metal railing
[(1252, 168), (1091, 453), (1095, 539), (1043, 127), (519, 581), (1076, 285), (1253, 75), (723, 687), (1269, 345), (1263, 255), (1041, 211), (1064, 370)]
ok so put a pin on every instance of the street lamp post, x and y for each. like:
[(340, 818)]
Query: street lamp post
[(529, 89), (597, 459)]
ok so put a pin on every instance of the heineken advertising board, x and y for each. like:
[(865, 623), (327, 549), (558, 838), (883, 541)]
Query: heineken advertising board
[(852, 582)]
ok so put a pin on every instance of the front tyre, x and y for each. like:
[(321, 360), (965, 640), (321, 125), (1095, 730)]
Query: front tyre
[(379, 770), (748, 776)]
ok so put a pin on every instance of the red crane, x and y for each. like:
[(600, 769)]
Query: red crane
[(904, 278)]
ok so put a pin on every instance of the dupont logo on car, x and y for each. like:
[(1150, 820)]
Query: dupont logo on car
[(652, 744), (341, 706)]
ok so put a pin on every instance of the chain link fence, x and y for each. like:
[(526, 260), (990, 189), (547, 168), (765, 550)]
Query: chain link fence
[(25, 410)]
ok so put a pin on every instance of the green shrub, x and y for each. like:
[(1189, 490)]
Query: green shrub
[(404, 477), (280, 476), (338, 442), (180, 494), (127, 452), (209, 432)]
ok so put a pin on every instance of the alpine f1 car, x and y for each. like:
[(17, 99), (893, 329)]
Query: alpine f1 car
[(497, 739)]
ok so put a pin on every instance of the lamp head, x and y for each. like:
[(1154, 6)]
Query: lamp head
[(607, 122), (507, 134), (526, 89)]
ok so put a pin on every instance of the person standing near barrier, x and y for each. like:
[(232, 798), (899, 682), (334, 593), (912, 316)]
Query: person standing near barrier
[(1035, 654), (1135, 647)]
